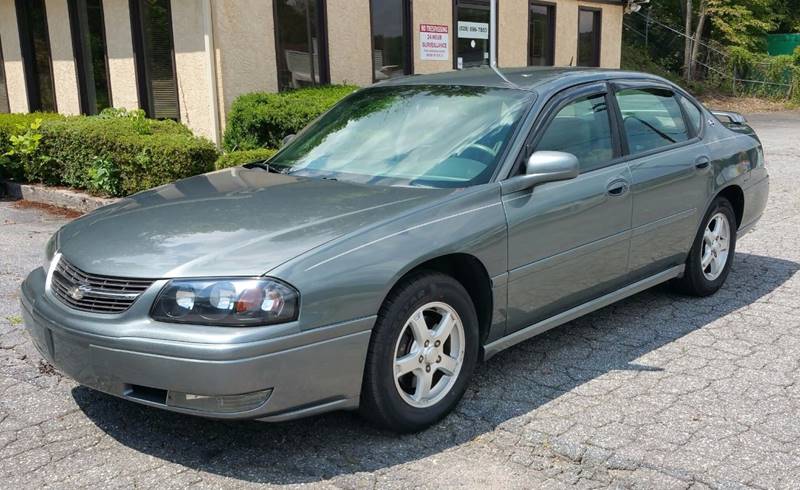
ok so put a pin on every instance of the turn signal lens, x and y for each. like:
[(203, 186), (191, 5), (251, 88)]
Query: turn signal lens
[(226, 302)]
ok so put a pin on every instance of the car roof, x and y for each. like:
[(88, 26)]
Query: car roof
[(528, 78)]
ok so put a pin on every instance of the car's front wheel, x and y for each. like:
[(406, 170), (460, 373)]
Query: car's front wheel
[(712, 253), (422, 353)]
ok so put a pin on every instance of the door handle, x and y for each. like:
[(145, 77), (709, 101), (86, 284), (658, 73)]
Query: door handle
[(617, 188), (702, 162)]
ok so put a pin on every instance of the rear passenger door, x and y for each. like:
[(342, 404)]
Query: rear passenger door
[(670, 173), (568, 241)]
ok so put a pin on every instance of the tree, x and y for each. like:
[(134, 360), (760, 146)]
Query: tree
[(741, 23)]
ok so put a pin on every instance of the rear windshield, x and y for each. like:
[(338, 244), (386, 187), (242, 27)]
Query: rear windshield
[(416, 135)]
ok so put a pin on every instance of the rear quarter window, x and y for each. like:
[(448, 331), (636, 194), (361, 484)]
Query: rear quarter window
[(693, 114)]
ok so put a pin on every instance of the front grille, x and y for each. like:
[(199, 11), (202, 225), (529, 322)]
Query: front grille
[(95, 293)]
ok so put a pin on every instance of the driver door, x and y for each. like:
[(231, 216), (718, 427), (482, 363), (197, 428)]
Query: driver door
[(568, 241)]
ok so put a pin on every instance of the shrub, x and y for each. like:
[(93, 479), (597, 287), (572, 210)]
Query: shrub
[(235, 158), (10, 125), (116, 155), (259, 119), (22, 155)]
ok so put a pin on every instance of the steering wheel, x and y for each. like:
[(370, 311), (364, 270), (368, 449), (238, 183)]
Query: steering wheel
[(488, 152)]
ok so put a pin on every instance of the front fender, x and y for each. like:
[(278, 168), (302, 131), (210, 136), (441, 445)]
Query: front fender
[(350, 277)]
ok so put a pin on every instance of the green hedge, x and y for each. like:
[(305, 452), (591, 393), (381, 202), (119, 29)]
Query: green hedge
[(111, 154), (259, 120), (236, 158), (9, 123)]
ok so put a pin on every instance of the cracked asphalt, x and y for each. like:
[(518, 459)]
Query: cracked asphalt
[(658, 391)]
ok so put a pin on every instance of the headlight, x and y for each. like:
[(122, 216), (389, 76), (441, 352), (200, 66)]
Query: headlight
[(49, 252), (226, 302)]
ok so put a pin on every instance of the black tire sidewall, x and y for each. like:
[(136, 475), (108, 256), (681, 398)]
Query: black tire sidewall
[(380, 389), (699, 284)]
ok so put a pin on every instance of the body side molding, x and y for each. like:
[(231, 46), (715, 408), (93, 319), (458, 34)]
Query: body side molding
[(498, 345)]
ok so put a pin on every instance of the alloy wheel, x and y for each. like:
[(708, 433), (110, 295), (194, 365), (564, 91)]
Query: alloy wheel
[(716, 243), (429, 354)]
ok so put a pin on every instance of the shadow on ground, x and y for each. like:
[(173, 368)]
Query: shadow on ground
[(512, 384)]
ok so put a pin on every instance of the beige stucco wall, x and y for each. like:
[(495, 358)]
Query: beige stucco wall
[(191, 66), (121, 70), (64, 77), (244, 41), (349, 41), (611, 49), (12, 57), (431, 12), (512, 36), (513, 32), (567, 33)]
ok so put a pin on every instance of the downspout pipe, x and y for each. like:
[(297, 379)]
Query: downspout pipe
[(211, 70), (493, 41)]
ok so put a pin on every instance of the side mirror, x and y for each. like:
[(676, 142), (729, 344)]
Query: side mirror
[(287, 139), (543, 166)]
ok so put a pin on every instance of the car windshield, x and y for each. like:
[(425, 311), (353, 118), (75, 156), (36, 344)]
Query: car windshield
[(413, 135)]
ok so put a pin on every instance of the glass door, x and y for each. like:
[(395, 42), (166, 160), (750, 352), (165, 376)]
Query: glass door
[(472, 27)]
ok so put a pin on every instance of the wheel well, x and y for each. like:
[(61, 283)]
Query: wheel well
[(471, 273), (735, 195)]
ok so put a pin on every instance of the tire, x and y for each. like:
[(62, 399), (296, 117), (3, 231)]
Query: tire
[(400, 402), (700, 280)]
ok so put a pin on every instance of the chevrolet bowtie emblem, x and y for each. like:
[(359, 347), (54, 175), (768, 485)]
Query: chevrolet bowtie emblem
[(78, 291)]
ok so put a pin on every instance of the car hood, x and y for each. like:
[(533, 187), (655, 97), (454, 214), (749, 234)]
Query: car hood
[(235, 222)]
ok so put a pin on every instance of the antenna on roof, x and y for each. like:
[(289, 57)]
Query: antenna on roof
[(493, 42)]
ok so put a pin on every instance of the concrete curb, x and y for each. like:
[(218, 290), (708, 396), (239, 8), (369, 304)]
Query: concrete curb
[(63, 198)]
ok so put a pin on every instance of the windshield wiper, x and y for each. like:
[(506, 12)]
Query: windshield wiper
[(263, 166)]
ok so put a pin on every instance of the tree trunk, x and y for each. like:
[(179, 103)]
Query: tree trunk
[(698, 34), (687, 46)]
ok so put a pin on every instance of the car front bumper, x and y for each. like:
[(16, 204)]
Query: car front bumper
[(284, 371)]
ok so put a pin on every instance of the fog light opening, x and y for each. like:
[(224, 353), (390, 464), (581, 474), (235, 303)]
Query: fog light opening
[(218, 403)]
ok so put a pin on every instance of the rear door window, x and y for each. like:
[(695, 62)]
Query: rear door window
[(651, 119)]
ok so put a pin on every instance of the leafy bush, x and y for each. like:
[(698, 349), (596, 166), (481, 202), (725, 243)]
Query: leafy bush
[(104, 177), (137, 120), (781, 74), (259, 119), (635, 57), (114, 155), (236, 158), (10, 125), (22, 155)]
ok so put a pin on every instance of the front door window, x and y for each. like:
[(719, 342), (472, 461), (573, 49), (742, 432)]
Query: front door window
[(582, 128)]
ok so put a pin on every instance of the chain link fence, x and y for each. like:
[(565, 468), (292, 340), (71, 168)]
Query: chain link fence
[(734, 70)]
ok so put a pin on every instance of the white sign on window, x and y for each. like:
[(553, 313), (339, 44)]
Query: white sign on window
[(473, 30), (434, 42)]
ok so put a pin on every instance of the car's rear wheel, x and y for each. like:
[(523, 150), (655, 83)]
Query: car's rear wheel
[(422, 353), (712, 253)]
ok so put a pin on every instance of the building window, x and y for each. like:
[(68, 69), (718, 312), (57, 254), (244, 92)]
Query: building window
[(472, 24), (4, 106), (89, 46), (391, 38), (151, 27), (36, 59), (541, 34), (301, 44), (589, 21)]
